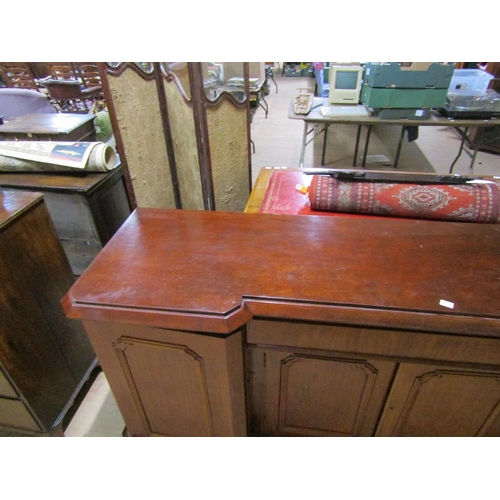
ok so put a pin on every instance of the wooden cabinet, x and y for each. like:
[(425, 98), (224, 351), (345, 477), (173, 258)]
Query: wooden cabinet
[(225, 324), (45, 358), (440, 400), (86, 209)]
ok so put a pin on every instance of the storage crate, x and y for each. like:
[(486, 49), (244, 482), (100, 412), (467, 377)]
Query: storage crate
[(468, 81), (392, 75), (294, 70), (403, 98)]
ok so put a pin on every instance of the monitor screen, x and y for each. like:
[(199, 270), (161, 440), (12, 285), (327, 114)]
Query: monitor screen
[(346, 80)]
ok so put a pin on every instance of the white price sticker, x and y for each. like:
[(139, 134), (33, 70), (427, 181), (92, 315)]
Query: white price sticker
[(445, 303)]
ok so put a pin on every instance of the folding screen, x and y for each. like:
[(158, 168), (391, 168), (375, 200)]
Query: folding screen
[(182, 144)]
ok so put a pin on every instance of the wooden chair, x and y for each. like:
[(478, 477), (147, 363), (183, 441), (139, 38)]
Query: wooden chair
[(62, 71), (18, 75), (70, 97), (89, 74)]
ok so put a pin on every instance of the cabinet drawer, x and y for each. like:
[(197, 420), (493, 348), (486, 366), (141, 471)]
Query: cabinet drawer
[(15, 414), (398, 345), (5, 388)]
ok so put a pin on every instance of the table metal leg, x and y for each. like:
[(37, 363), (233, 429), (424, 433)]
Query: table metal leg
[(305, 142), (262, 99), (324, 144), (356, 147), (367, 142), (400, 145), (477, 143), (303, 149), (464, 136)]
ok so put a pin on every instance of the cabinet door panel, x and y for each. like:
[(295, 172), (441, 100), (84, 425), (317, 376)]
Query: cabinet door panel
[(439, 401), (173, 383), (179, 376), (296, 394)]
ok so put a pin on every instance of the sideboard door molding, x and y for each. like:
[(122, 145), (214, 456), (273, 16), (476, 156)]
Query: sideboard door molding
[(427, 400), (173, 383)]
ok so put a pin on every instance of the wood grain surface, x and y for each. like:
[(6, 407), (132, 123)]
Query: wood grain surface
[(176, 267)]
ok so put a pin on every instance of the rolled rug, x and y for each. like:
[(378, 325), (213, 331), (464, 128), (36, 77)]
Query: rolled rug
[(472, 202)]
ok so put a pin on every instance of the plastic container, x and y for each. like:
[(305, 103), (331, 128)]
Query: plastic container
[(480, 105), (467, 81)]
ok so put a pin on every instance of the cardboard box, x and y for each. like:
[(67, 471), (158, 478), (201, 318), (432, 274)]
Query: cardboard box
[(415, 76)]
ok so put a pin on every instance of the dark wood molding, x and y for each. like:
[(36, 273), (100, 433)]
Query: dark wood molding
[(121, 67), (167, 134), (103, 73), (170, 77), (201, 130), (226, 96)]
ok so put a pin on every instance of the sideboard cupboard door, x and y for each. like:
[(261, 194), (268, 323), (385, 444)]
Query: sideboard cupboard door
[(429, 401), (173, 383), (293, 393)]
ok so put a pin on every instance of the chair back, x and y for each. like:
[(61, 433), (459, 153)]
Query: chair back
[(62, 71), (89, 73), (18, 75)]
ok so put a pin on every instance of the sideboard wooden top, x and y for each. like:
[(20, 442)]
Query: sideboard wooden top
[(214, 271), (14, 203), (47, 123), (85, 181)]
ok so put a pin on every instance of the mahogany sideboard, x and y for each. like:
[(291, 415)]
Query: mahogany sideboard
[(45, 358), (234, 324), (86, 208)]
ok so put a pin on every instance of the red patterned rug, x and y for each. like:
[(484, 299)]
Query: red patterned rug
[(464, 202)]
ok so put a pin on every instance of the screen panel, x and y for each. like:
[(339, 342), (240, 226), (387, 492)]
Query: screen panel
[(346, 80)]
